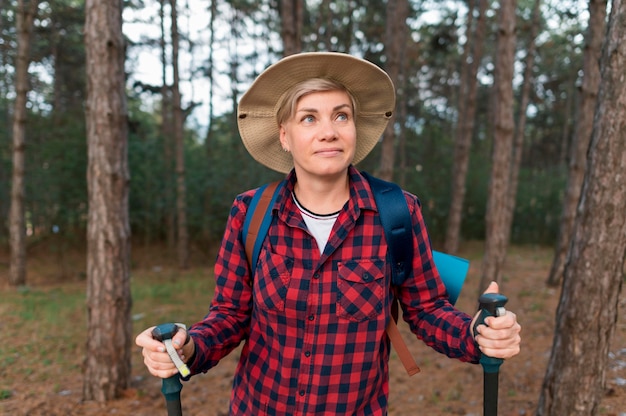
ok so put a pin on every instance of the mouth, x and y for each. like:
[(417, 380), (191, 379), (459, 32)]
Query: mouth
[(328, 152)]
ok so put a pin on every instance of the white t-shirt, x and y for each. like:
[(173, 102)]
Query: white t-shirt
[(318, 225)]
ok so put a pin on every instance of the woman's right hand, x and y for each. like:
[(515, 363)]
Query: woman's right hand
[(155, 356)]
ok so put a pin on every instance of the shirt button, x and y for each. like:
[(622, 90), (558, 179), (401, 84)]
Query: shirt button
[(311, 317), (301, 392), (316, 276), (307, 354)]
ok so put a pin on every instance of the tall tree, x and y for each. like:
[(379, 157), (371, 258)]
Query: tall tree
[(582, 134), (109, 326), (594, 271), (210, 74), (292, 17), (179, 139), (471, 58), (495, 221), (395, 44), (518, 138), (168, 137), (17, 224)]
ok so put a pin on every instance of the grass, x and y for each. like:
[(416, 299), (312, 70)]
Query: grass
[(47, 324)]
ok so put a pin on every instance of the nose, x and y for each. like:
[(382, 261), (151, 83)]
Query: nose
[(328, 130)]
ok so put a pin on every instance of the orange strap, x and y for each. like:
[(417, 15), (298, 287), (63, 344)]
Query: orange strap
[(402, 350), (257, 219)]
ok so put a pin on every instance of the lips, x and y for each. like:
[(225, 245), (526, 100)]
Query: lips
[(328, 152)]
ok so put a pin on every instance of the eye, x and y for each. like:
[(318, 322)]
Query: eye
[(342, 117), (308, 118)]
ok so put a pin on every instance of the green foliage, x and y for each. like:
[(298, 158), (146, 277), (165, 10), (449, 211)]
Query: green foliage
[(539, 204), (219, 168)]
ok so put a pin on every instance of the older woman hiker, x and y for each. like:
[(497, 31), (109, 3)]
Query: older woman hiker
[(313, 312)]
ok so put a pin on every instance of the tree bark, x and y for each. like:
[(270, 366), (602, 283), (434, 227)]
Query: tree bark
[(397, 13), (181, 188), (518, 138), (17, 223), (594, 270), (582, 135), (495, 221), (109, 326), (292, 15), (167, 131), (465, 124)]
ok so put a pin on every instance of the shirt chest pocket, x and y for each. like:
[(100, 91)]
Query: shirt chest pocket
[(360, 289), (272, 282)]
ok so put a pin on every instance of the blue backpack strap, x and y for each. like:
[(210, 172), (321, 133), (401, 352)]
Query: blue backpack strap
[(258, 220), (396, 220)]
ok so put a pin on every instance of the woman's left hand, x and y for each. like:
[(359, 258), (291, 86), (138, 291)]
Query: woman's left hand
[(500, 336)]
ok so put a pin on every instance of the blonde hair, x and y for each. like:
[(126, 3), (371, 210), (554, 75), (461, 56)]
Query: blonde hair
[(289, 101)]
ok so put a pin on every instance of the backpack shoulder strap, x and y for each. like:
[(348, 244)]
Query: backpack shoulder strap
[(396, 220), (258, 219)]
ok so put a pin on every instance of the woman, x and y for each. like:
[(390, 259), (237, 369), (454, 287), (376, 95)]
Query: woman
[(313, 313)]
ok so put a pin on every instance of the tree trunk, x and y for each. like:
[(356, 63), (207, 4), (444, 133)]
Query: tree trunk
[(210, 74), (181, 188), (582, 135), (518, 138), (17, 224), (496, 244), (397, 13), (109, 326), (291, 14), (167, 131), (465, 125), (587, 313)]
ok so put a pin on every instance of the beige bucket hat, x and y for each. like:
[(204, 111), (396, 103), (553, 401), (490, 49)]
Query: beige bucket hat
[(256, 115)]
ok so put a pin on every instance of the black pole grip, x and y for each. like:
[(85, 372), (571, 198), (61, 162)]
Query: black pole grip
[(490, 304), (171, 386)]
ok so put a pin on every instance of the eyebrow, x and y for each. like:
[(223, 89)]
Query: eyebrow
[(315, 110)]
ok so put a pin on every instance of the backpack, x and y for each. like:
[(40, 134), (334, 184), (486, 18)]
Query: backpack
[(396, 221)]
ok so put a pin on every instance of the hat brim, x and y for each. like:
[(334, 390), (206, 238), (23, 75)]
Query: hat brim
[(256, 114)]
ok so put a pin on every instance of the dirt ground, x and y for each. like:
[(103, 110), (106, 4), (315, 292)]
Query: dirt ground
[(444, 387)]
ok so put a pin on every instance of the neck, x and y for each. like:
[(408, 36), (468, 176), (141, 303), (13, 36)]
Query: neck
[(323, 197)]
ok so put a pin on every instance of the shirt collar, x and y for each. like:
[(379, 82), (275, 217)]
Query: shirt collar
[(361, 196)]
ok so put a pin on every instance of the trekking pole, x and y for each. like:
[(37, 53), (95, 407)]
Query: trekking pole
[(171, 386), (490, 304)]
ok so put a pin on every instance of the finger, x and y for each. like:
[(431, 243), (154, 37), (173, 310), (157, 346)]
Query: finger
[(160, 369), (178, 340), (159, 364), (503, 353), (500, 343), (492, 288), (145, 340), (508, 320)]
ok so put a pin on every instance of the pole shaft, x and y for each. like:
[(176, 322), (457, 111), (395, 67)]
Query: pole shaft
[(490, 399)]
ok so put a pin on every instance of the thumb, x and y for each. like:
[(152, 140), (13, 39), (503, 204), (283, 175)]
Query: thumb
[(180, 338), (492, 288)]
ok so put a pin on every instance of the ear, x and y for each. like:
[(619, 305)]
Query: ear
[(282, 134)]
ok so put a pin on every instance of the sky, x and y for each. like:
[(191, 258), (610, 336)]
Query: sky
[(145, 62)]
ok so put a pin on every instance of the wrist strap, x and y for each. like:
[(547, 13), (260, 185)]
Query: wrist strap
[(171, 351)]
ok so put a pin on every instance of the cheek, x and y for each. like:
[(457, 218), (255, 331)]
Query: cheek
[(351, 137)]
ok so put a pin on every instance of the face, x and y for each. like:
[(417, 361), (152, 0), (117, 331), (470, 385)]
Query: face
[(321, 134)]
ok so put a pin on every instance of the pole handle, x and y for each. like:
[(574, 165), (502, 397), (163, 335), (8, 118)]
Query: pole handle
[(490, 304), (171, 386)]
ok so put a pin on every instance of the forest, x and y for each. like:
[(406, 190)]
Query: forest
[(510, 127)]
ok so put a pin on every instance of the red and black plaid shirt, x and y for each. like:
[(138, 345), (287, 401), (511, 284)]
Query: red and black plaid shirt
[(314, 325)]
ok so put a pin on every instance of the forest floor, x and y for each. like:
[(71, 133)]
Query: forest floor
[(43, 339)]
